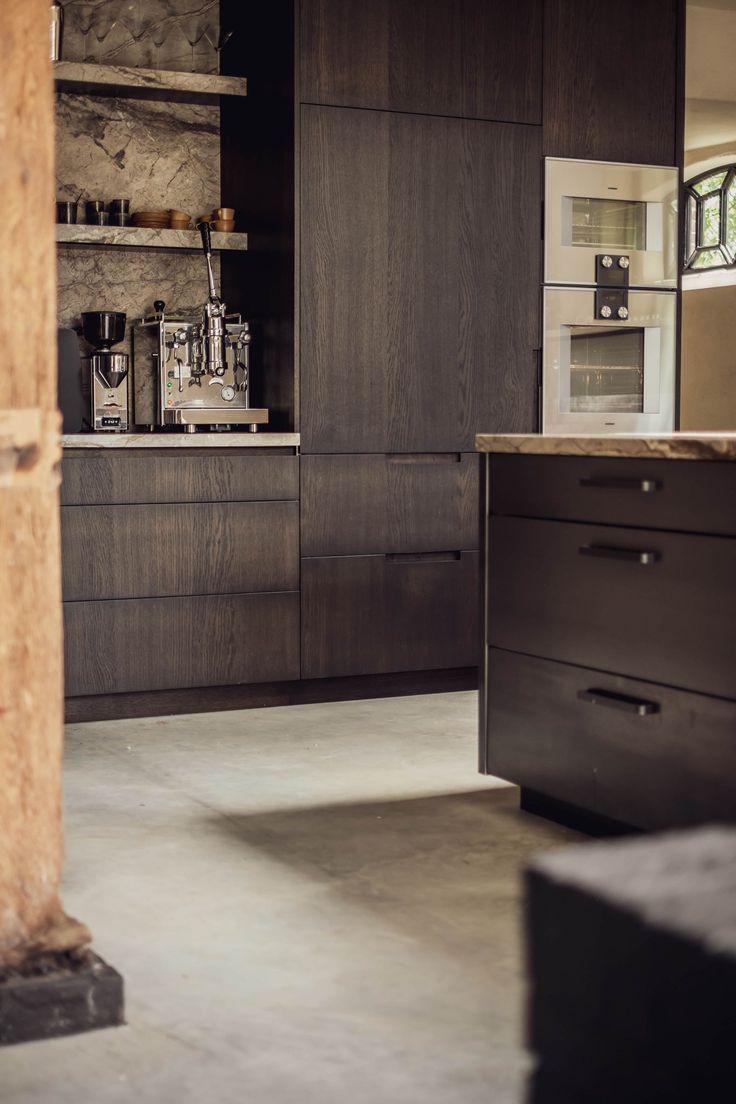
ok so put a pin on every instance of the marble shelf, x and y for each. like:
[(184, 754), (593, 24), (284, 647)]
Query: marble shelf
[(140, 237), (666, 446), (160, 84), (134, 440)]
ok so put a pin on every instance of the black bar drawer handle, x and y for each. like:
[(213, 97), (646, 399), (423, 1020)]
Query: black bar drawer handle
[(639, 706), (422, 557), (608, 552), (646, 486)]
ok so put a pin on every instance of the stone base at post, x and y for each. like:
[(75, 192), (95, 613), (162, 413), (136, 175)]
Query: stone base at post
[(61, 995)]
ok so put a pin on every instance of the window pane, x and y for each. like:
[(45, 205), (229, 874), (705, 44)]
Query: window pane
[(711, 220), (709, 184), (610, 223), (731, 216), (606, 370), (709, 258)]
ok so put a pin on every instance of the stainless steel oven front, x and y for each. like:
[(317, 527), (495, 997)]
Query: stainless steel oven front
[(608, 376), (601, 207)]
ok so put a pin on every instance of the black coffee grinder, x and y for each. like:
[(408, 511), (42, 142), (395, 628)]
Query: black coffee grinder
[(108, 371)]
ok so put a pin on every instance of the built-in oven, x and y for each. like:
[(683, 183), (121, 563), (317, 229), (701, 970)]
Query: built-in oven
[(608, 375), (600, 207)]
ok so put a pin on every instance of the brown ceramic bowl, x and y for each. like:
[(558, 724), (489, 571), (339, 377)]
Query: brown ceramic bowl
[(223, 214), (179, 216), (179, 223), (224, 226)]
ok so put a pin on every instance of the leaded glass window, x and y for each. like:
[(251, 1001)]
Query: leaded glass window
[(710, 219)]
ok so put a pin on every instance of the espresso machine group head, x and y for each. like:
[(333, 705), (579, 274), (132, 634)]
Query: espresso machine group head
[(108, 370), (191, 372)]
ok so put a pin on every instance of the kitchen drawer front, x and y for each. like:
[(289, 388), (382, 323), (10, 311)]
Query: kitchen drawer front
[(639, 753), (374, 614), (132, 475), (402, 502), (690, 496), (672, 620), (183, 548), (167, 643)]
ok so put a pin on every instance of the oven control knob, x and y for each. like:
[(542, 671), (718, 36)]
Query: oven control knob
[(623, 312), (623, 262), (606, 261), (228, 393), (605, 311)]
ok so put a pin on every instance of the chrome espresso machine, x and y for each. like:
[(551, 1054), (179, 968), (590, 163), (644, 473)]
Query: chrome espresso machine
[(190, 372)]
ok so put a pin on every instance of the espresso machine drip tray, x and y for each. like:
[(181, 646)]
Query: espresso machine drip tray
[(193, 416)]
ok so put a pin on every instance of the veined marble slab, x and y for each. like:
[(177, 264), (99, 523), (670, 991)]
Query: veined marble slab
[(179, 440), (141, 237), (669, 446), (121, 80)]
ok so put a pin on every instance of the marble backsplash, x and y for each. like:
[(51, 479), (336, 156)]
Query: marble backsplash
[(158, 155), (129, 280), (153, 34)]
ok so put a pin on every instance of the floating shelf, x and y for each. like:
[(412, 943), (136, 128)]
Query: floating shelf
[(151, 84), (139, 237)]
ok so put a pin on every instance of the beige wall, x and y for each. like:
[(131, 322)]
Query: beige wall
[(708, 380)]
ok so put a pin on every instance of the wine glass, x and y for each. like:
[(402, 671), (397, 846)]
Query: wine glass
[(105, 18), (159, 25), (83, 15), (194, 27)]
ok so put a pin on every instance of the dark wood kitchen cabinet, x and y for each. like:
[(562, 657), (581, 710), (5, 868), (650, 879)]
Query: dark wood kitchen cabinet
[(420, 238), (608, 684), (179, 570), (611, 80), (470, 58)]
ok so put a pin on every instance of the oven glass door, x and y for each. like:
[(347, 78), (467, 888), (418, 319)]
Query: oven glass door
[(608, 376), (594, 207)]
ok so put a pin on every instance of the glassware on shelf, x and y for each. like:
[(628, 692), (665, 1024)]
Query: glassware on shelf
[(194, 27)]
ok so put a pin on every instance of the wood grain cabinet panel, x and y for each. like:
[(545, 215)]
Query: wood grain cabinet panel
[(140, 476), (406, 502), (183, 548), (610, 74), (584, 595), (374, 614), (167, 643), (476, 58), (669, 766), (690, 496), (420, 317)]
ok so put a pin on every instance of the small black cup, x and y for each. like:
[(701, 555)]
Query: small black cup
[(93, 208), (119, 218), (119, 206), (101, 218), (66, 212)]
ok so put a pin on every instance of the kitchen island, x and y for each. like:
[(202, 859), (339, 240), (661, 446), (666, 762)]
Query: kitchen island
[(608, 684)]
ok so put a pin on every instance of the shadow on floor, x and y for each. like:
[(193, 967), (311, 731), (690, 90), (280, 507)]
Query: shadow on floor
[(438, 867)]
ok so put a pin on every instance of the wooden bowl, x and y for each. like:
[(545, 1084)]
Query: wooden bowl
[(223, 214), (179, 216), (224, 226)]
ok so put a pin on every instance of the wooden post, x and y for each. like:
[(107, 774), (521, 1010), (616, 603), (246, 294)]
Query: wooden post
[(31, 697)]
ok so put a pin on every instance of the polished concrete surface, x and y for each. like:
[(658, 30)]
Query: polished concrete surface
[(317, 904)]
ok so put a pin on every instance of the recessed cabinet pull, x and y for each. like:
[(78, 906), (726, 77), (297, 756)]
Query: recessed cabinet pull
[(646, 486), (422, 557), (640, 706), (632, 555), (424, 457)]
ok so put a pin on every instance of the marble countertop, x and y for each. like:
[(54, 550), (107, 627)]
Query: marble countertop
[(665, 446), (179, 440)]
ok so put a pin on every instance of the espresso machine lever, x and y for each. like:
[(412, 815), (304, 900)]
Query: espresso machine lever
[(214, 333)]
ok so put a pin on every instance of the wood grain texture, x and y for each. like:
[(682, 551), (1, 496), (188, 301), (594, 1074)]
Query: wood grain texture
[(672, 622), (211, 699), (407, 502), (31, 916), (187, 548), (365, 614), (420, 316), (691, 497), (610, 80), (670, 769), (476, 58), (165, 643), (128, 477)]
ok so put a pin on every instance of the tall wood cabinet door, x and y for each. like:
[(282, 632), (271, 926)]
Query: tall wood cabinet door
[(481, 59), (610, 79), (421, 240)]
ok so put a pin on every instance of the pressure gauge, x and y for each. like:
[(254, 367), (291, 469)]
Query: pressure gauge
[(228, 393)]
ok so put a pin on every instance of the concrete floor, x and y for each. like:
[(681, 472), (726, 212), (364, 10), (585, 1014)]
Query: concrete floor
[(310, 905)]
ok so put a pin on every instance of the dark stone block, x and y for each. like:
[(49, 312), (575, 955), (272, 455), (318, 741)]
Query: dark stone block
[(75, 996), (632, 956)]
